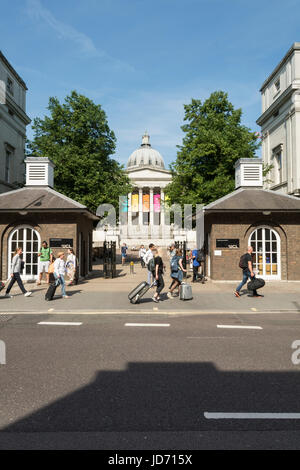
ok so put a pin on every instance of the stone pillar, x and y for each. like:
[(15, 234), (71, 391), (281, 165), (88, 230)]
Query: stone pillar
[(151, 208), (141, 207), (129, 221), (162, 207)]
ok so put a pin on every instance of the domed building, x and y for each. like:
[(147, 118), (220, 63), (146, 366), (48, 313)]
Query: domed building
[(146, 170), (143, 218)]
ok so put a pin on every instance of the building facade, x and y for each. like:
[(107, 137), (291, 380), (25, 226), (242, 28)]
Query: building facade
[(144, 215), (269, 221), (13, 122), (37, 212), (280, 124)]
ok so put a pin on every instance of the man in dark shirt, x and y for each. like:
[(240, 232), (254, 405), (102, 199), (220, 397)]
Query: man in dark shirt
[(247, 273), (158, 275)]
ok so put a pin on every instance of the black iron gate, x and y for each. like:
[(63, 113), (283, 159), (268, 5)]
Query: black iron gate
[(109, 260)]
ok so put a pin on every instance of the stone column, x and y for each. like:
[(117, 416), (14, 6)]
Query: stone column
[(151, 208), (129, 221), (162, 207), (141, 207)]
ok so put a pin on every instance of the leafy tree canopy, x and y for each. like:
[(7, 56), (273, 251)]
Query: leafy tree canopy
[(214, 140), (77, 138)]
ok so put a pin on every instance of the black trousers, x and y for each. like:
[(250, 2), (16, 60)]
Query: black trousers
[(16, 277), (160, 284), (195, 272)]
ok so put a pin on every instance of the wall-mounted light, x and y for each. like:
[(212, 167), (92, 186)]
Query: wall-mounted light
[(266, 212), (23, 212)]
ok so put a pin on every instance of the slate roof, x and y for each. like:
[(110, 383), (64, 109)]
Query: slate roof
[(40, 198), (252, 200)]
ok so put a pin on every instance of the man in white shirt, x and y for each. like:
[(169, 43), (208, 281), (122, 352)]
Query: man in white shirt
[(146, 258), (60, 271), (142, 253)]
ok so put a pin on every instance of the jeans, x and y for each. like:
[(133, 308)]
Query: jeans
[(246, 276), (61, 281), (150, 276), (16, 277), (160, 284)]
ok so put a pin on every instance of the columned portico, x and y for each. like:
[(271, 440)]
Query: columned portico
[(146, 203)]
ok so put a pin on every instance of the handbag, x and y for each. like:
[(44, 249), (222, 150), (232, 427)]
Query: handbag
[(51, 268)]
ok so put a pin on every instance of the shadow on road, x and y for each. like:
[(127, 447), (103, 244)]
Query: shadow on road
[(169, 397)]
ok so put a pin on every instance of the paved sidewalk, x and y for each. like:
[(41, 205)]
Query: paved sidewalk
[(99, 295)]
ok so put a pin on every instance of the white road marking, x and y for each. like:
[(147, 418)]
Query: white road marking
[(147, 324), (64, 323), (209, 415), (240, 326), (50, 309), (254, 309)]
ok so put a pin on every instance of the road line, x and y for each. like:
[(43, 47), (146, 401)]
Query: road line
[(241, 326), (147, 324), (209, 415), (63, 323)]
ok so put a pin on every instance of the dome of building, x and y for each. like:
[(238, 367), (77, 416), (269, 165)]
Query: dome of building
[(145, 156)]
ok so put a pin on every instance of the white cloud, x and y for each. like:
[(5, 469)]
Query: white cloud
[(38, 12)]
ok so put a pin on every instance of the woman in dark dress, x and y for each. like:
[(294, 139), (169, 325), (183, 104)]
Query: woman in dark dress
[(158, 275)]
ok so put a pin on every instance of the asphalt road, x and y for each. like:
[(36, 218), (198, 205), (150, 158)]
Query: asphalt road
[(108, 382)]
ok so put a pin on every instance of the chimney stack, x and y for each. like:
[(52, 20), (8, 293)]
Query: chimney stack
[(39, 171), (248, 173)]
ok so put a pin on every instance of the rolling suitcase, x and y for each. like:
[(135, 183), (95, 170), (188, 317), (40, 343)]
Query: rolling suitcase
[(51, 291), (185, 292), (137, 293), (256, 283)]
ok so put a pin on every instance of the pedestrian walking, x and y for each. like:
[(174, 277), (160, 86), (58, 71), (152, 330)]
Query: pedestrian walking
[(246, 264), (59, 273), (45, 258), (17, 266), (142, 253), (196, 264), (177, 271), (148, 256), (158, 274), (71, 265), (124, 249)]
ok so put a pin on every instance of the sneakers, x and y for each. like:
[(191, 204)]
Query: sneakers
[(8, 296), (66, 296), (237, 294), (27, 294), (169, 295), (155, 299)]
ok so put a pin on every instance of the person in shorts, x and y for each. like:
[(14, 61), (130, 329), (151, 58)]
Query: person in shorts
[(124, 249), (45, 258)]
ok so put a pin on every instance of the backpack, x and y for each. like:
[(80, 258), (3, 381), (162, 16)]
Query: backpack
[(243, 264), (199, 257), (151, 265), (174, 264)]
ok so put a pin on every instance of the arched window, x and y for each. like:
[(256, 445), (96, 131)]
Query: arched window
[(29, 240), (265, 242)]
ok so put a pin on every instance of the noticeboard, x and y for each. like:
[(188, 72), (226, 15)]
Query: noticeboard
[(227, 243), (61, 242)]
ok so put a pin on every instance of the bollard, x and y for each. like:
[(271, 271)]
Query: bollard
[(131, 267)]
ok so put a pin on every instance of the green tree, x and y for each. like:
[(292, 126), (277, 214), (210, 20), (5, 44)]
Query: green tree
[(214, 140), (77, 138)]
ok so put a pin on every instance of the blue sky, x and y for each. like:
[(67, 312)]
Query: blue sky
[(143, 59)]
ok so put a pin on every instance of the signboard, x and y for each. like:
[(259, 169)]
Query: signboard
[(227, 243), (135, 203), (146, 202), (61, 242), (218, 253), (156, 202)]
